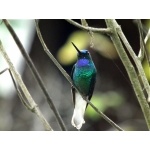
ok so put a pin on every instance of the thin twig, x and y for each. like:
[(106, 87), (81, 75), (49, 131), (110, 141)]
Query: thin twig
[(18, 91), (84, 23), (130, 70), (33, 105), (145, 41), (142, 43), (50, 54), (101, 30), (4, 70), (35, 73), (69, 79), (104, 116)]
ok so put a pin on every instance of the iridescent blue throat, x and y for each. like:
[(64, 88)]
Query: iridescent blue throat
[(82, 62)]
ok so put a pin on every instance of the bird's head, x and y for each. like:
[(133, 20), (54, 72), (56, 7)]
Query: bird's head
[(82, 53)]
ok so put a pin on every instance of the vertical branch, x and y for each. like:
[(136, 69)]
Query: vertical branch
[(35, 73), (33, 105), (84, 23), (130, 70)]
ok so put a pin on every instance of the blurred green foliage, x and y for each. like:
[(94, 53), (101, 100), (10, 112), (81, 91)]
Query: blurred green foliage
[(104, 101)]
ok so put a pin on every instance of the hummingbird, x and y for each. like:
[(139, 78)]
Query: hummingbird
[(84, 77)]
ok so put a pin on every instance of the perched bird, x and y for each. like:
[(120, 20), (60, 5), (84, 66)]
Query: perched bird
[(83, 76)]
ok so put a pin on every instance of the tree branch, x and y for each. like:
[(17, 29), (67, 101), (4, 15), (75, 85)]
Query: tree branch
[(17, 89), (145, 41), (130, 69), (35, 73), (33, 106), (69, 79), (135, 59), (26, 104), (142, 43), (4, 70), (101, 30), (84, 23)]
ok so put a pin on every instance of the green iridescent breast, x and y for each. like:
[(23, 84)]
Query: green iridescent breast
[(83, 78)]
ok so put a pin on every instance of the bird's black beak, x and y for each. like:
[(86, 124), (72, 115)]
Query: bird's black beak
[(76, 48)]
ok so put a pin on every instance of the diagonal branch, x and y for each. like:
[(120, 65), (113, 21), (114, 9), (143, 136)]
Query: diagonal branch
[(69, 79), (35, 73), (33, 106)]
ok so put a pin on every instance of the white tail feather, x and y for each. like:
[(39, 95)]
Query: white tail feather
[(79, 110)]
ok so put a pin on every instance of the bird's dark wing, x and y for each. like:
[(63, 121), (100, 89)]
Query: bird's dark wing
[(72, 71), (73, 90), (93, 80)]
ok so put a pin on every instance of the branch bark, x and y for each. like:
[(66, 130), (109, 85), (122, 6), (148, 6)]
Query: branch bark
[(130, 69), (33, 106)]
